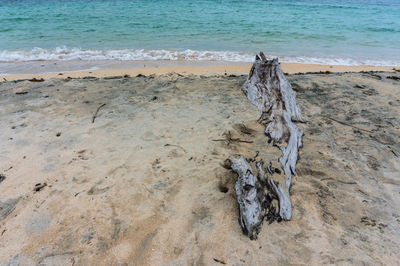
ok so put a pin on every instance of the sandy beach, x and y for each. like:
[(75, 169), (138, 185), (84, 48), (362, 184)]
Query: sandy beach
[(199, 132), (142, 182)]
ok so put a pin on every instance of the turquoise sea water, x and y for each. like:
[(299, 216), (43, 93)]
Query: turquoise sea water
[(314, 31)]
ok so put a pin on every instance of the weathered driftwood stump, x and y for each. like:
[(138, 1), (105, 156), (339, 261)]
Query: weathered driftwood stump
[(253, 194), (251, 211), (268, 89)]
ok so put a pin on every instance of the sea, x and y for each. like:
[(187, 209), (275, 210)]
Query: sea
[(331, 32)]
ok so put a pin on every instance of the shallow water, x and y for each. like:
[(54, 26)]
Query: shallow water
[(318, 31)]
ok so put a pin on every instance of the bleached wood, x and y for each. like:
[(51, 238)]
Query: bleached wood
[(250, 210), (269, 90), (255, 194)]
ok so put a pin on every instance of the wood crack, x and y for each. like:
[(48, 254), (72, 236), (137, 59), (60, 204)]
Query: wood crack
[(269, 90)]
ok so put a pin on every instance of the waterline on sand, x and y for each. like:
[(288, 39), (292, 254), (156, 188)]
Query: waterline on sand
[(64, 53)]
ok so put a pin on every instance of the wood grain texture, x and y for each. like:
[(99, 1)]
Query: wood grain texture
[(269, 90)]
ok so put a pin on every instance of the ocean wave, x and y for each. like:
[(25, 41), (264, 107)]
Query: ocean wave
[(69, 54)]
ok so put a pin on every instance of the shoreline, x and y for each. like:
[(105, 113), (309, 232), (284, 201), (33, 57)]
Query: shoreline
[(188, 68)]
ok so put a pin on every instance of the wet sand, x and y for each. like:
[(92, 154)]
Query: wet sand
[(80, 69), (145, 183)]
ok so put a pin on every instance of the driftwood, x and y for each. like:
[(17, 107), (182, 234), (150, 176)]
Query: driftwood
[(98, 109), (255, 194), (229, 139), (269, 90), (251, 215), (349, 125)]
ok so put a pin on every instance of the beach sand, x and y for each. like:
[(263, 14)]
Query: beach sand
[(78, 69), (145, 183)]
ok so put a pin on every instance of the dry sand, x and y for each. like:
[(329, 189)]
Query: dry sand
[(144, 184)]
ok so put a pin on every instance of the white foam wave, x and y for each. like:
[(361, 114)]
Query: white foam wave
[(68, 54), (339, 61)]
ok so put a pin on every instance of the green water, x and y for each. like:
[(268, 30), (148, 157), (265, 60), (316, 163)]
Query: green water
[(321, 31)]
